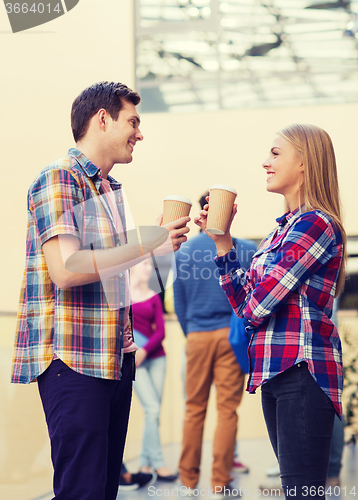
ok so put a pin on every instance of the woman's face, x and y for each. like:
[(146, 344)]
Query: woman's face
[(284, 170), (142, 271)]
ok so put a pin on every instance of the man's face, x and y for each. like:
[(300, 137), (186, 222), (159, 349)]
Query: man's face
[(123, 134)]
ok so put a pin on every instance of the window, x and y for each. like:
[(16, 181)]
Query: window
[(197, 55), (349, 297)]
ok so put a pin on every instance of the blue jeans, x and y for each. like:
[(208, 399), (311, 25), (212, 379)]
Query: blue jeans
[(149, 388), (299, 418)]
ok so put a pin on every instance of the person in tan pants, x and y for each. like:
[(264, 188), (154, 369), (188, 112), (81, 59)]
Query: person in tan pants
[(210, 359), (204, 315)]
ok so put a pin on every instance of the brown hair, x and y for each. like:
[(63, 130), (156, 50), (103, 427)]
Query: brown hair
[(320, 190), (103, 95)]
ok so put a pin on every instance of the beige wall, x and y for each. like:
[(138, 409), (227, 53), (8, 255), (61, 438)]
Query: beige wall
[(42, 70)]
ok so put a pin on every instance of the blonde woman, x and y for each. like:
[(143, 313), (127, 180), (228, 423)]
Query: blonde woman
[(286, 299)]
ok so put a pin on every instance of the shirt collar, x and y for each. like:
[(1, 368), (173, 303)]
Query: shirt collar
[(282, 221), (90, 169)]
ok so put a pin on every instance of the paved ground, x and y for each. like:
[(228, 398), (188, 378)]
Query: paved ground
[(257, 454)]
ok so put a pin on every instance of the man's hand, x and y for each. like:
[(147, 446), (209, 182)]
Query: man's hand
[(152, 237), (177, 231)]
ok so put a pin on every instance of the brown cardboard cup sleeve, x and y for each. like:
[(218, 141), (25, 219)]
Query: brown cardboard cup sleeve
[(175, 207), (221, 201)]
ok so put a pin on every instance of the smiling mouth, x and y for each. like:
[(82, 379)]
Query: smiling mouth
[(270, 175)]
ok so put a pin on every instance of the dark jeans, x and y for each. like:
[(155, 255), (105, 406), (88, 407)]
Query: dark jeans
[(299, 419), (87, 420)]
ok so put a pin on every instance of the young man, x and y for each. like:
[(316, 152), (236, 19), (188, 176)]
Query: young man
[(74, 330)]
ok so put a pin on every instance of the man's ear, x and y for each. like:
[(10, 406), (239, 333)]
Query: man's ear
[(101, 118)]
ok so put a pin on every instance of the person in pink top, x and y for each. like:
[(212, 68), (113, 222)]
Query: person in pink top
[(149, 332)]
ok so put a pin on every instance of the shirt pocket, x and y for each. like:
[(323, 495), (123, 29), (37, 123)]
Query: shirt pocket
[(263, 258)]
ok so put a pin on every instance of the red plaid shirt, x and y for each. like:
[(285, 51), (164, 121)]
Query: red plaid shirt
[(286, 298)]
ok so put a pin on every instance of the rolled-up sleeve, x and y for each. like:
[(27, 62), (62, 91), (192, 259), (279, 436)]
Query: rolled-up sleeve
[(52, 201)]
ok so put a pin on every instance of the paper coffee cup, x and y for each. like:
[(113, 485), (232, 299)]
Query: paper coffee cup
[(175, 207), (221, 201)]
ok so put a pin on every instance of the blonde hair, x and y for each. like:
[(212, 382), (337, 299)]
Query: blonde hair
[(320, 189)]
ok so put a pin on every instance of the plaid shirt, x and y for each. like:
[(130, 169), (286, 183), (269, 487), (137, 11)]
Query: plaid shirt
[(82, 325), (286, 298)]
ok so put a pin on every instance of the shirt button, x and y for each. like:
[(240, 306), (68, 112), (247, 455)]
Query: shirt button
[(121, 304), (299, 365)]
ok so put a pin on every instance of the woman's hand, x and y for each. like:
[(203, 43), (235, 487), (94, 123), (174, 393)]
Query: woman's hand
[(223, 242), (140, 356)]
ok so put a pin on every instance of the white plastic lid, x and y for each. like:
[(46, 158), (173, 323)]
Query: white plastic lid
[(214, 230), (174, 197), (224, 188)]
